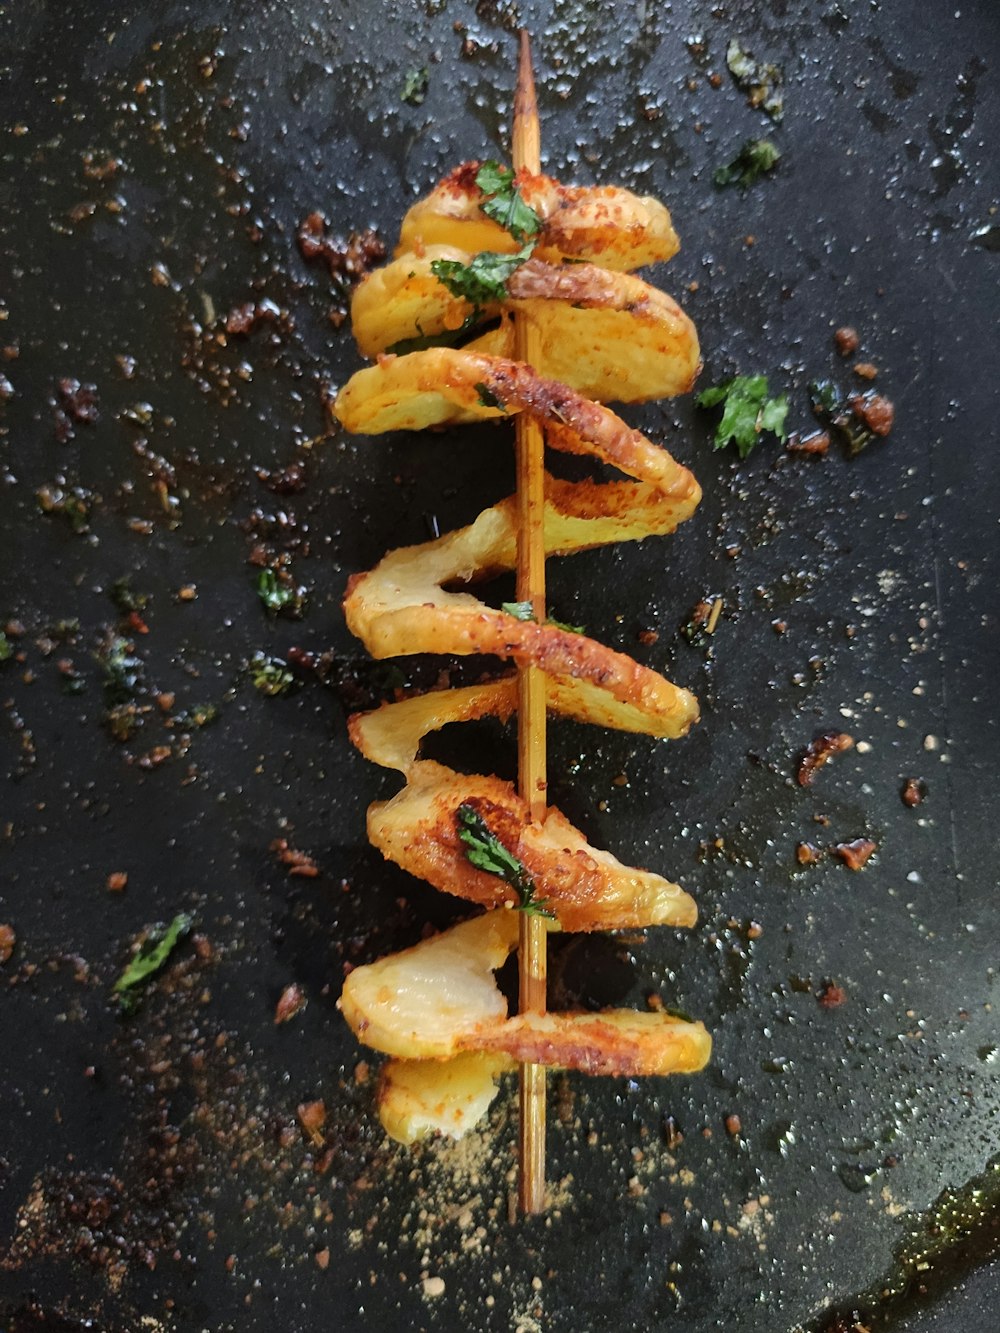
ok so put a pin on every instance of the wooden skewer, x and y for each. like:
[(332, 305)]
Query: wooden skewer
[(531, 739)]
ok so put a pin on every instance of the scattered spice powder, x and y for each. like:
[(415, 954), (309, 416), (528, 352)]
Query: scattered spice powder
[(819, 752)]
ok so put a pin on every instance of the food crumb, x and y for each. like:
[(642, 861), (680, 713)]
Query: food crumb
[(831, 996), (7, 942), (807, 853), (117, 881), (433, 1286), (913, 792), (323, 1259), (855, 854), (734, 1125), (820, 751), (817, 444), (846, 340), (866, 370), (291, 1001)]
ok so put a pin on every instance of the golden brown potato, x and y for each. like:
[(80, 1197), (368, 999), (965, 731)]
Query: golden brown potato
[(439, 998), (608, 225), (610, 336), (421, 1097)]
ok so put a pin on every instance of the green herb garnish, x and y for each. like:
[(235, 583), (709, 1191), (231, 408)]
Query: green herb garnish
[(748, 411), (760, 81), (504, 203), (122, 670), (482, 281), (198, 715), (6, 651), (278, 596), (270, 675), (445, 338), (833, 408), (486, 852), (415, 86), (561, 624), (125, 597), (755, 159), (156, 948), (523, 611), (488, 398)]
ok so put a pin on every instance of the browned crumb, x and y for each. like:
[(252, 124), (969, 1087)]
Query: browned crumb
[(754, 930), (855, 854), (820, 751), (117, 880), (807, 854), (648, 636), (291, 1002), (913, 792), (866, 370), (779, 626), (323, 1258), (815, 444), (831, 996), (846, 340), (312, 1118), (734, 1126), (875, 410), (299, 863), (7, 942)]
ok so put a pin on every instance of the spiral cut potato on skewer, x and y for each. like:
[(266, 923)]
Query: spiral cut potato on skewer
[(603, 334)]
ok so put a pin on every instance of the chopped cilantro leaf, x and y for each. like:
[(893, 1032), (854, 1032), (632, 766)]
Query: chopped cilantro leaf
[(561, 624), (270, 675), (755, 159), (157, 947), (504, 203), (482, 281), (278, 596), (519, 610), (747, 411), (485, 851), (415, 86), (444, 338), (487, 398), (760, 81)]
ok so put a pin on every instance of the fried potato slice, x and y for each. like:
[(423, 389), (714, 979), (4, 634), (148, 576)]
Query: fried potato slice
[(421, 1097), (606, 224), (401, 606), (439, 998), (608, 335), (587, 889)]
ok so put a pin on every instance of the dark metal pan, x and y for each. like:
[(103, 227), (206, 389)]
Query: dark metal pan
[(157, 162)]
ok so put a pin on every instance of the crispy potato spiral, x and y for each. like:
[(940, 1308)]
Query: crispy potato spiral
[(603, 335)]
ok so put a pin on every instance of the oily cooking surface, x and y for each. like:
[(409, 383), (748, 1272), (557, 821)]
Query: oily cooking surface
[(176, 1130)]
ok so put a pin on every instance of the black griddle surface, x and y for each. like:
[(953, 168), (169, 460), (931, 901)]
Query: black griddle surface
[(151, 1165)]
